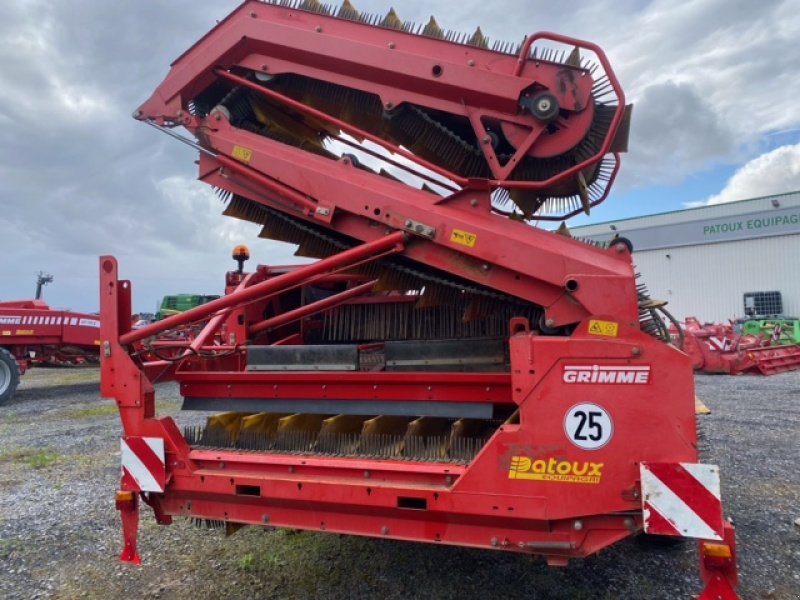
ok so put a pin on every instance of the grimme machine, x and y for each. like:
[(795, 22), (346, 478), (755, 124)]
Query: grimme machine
[(32, 333), (445, 371)]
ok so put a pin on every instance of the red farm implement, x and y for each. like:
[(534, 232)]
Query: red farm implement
[(718, 348), (444, 372), (32, 333)]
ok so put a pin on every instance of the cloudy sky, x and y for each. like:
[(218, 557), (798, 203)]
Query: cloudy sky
[(714, 82)]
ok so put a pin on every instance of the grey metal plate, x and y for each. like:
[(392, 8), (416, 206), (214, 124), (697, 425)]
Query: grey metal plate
[(303, 358), (476, 355)]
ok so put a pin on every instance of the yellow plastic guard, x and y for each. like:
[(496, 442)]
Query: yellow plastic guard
[(343, 424), (700, 408), (301, 422), (231, 422), (261, 422)]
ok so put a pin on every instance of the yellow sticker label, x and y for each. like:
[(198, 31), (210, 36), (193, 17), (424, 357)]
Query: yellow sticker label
[(552, 469), (609, 328), (241, 153), (465, 238), (24, 331)]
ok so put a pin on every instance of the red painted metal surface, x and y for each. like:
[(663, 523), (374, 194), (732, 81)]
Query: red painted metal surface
[(718, 348), (485, 484), (580, 409), (524, 492), (769, 360), (474, 83), (366, 252), (520, 260), (397, 66), (343, 125), (36, 334), (310, 309), (718, 570), (34, 323)]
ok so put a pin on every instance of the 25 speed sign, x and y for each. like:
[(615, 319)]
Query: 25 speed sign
[(588, 426)]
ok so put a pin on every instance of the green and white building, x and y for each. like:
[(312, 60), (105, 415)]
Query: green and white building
[(704, 260)]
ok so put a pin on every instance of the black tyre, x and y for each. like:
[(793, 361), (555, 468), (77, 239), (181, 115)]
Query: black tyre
[(9, 375)]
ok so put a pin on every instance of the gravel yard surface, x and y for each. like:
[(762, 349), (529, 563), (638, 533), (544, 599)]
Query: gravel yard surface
[(60, 534)]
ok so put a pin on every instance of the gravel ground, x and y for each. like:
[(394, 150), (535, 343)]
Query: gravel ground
[(60, 535)]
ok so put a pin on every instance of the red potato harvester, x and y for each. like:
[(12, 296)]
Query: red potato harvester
[(443, 372)]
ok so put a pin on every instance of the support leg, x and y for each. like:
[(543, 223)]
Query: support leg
[(718, 568), (128, 507)]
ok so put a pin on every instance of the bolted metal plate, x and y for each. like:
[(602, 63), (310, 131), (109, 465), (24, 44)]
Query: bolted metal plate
[(479, 355), (303, 358)]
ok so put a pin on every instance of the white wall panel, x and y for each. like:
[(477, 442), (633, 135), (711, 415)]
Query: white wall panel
[(709, 281)]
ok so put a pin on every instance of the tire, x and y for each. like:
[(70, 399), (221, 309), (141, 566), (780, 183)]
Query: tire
[(9, 375)]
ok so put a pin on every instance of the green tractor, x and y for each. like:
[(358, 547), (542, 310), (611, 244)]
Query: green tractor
[(178, 303)]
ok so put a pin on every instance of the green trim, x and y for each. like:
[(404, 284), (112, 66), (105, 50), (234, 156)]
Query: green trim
[(682, 210)]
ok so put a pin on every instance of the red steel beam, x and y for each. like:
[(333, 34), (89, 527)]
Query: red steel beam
[(310, 309), (272, 185), (370, 250), (459, 180), (343, 125), (214, 323)]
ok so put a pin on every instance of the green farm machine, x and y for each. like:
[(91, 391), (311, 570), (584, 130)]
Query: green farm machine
[(178, 303)]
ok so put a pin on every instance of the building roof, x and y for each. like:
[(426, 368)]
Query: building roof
[(765, 216)]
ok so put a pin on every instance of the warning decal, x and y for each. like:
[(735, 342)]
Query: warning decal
[(143, 463), (609, 328), (241, 153), (682, 500), (465, 238)]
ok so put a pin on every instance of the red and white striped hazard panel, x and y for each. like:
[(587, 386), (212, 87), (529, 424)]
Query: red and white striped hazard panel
[(682, 499), (143, 464)]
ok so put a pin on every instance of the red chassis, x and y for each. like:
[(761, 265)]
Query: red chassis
[(32, 333), (593, 433), (537, 486), (31, 325)]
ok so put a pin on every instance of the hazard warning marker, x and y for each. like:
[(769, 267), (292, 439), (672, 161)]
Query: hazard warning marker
[(682, 499), (143, 464)]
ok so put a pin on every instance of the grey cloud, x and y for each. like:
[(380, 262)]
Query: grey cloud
[(674, 131), (79, 177), (738, 55)]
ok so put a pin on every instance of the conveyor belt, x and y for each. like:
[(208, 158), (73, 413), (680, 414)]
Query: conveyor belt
[(430, 439)]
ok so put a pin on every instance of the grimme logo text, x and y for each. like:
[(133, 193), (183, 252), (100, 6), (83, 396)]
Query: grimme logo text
[(603, 374)]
